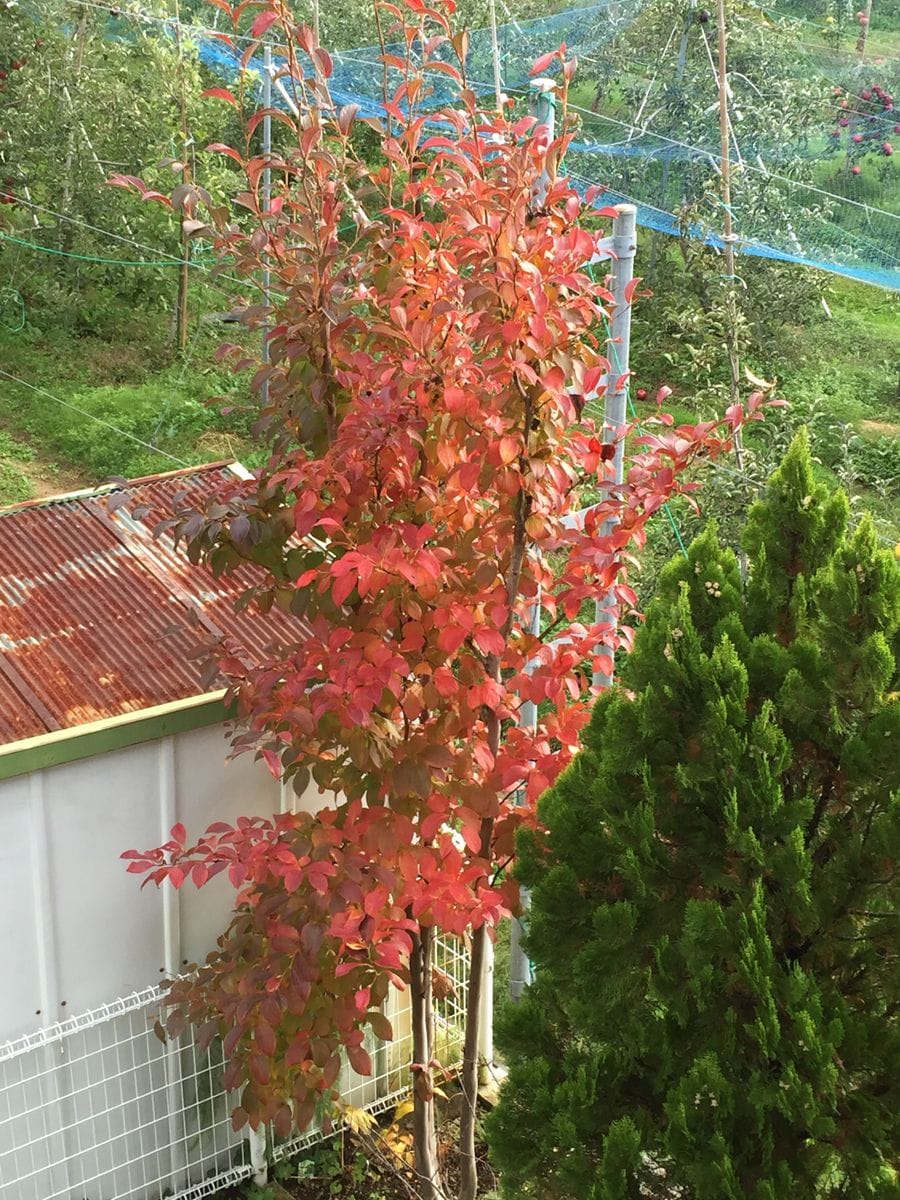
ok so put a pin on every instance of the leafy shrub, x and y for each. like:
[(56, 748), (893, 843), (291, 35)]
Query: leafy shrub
[(714, 902)]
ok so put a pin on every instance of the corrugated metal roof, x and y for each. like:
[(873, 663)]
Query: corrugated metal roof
[(98, 617)]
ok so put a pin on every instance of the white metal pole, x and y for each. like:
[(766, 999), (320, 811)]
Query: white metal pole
[(171, 900), (623, 245), (864, 33), (520, 972), (258, 1158), (520, 969)]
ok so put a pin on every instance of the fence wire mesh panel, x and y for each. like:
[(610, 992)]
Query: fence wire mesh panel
[(98, 1108)]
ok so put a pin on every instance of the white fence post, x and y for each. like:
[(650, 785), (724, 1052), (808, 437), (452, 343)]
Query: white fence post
[(622, 247), (258, 1157), (171, 903), (543, 107)]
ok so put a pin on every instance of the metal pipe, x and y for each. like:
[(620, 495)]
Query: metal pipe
[(623, 246)]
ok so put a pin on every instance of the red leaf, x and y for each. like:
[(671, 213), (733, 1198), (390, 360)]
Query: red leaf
[(221, 148), (264, 1038), (258, 1068), (542, 63), (359, 1060), (489, 640), (451, 638), (273, 762), (381, 1026), (264, 21), (218, 93), (322, 59)]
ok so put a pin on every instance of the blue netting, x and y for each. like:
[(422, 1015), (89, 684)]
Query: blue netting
[(357, 77), (797, 200)]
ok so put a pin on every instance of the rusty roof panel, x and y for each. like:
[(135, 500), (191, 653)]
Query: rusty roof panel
[(98, 618), (17, 718)]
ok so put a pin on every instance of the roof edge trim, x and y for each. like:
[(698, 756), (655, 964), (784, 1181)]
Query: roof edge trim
[(111, 733)]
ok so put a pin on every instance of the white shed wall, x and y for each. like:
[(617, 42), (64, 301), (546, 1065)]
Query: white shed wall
[(92, 1105), (76, 930)]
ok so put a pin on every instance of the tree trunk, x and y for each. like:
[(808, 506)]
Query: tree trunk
[(468, 1186), (429, 1185)]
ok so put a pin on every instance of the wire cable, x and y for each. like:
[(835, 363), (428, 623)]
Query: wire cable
[(868, 208), (91, 416), (172, 258), (116, 262)]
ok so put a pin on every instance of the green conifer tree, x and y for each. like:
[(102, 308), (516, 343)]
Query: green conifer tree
[(714, 917)]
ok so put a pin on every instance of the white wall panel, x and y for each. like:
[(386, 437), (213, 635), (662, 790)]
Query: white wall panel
[(21, 1002), (76, 930)]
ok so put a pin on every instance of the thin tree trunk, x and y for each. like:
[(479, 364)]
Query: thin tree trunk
[(429, 1184), (468, 1187)]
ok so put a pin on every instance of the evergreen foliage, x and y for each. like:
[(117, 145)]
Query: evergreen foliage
[(714, 920)]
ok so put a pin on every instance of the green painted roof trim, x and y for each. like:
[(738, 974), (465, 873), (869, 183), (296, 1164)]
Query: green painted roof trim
[(113, 733)]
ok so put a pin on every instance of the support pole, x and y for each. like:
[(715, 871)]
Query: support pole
[(69, 166), (256, 1139), (172, 959), (543, 106), (623, 247), (520, 972)]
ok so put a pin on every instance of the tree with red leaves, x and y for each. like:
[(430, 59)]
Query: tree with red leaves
[(432, 337)]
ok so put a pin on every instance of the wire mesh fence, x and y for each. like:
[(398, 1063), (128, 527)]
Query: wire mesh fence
[(97, 1108)]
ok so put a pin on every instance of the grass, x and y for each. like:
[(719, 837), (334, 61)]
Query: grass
[(15, 484), (121, 405), (840, 374)]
